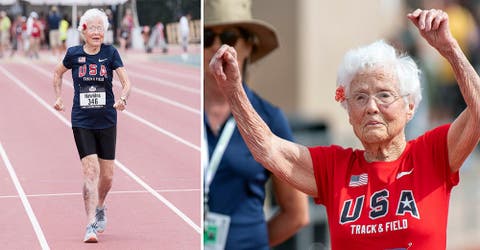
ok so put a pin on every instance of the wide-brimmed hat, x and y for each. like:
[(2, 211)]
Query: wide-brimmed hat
[(239, 13)]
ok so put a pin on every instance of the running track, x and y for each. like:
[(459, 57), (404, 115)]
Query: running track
[(156, 198)]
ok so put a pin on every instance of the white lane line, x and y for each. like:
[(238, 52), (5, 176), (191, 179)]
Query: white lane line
[(159, 196), (109, 193), (35, 96), (118, 163), (162, 99), (165, 82), (26, 204), (171, 72), (161, 130), (136, 117)]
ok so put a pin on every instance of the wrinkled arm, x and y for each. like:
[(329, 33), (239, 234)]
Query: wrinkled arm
[(288, 161), (121, 103), (464, 133), (292, 215), (57, 85), (123, 77)]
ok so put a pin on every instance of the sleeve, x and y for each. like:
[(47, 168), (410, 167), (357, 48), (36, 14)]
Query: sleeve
[(116, 61), (67, 60), (436, 142), (323, 161)]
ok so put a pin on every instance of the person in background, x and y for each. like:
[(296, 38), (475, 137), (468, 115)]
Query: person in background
[(125, 31), (34, 34), (234, 181), (146, 36), (393, 194), (109, 33), (158, 37), (53, 24), (184, 31), (63, 29), (5, 25), (16, 34)]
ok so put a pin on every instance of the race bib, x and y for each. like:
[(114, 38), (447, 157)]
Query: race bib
[(92, 97), (215, 231)]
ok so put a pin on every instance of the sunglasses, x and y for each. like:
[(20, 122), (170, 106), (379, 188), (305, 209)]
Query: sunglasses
[(228, 36)]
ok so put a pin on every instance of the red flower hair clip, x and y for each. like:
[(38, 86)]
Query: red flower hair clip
[(84, 26), (340, 94)]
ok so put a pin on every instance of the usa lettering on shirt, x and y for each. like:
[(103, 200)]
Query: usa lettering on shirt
[(92, 72), (378, 208)]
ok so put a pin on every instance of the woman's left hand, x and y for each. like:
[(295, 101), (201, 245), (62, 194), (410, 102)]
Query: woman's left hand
[(433, 26), (119, 105)]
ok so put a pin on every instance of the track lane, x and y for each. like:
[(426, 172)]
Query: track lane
[(67, 237)]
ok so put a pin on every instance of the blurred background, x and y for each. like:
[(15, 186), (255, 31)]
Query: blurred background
[(300, 78), (135, 25)]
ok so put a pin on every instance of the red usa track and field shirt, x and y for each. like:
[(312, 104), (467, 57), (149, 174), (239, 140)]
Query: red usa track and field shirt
[(401, 204)]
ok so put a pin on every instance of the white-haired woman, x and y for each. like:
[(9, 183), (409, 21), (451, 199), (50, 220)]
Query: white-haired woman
[(393, 194), (94, 115)]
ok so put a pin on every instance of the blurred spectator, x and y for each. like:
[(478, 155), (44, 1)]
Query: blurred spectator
[(158, 38), (109, 33), (184, 30), (145, 37), (5, 24), (44, 41), (125, 32), (63, 28), (53, 24), (34, 34), (16, 33)]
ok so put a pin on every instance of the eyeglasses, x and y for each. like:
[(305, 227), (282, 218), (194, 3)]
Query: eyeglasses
[(382, 98), (228, 36), (92, 29)]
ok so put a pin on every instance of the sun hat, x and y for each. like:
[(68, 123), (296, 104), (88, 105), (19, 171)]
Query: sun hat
[(239, 13)]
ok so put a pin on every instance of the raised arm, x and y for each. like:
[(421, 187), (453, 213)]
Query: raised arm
[(464, 133), (57, 86), (288, 161)]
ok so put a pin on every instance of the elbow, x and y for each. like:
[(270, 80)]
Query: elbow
[(300, 221), (304, 219), (262, 152), (300, 218)]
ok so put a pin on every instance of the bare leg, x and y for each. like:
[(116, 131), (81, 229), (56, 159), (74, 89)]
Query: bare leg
[(91, 169), (105, 181)]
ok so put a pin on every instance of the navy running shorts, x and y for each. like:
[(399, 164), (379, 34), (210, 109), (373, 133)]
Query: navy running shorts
[(96, 141)]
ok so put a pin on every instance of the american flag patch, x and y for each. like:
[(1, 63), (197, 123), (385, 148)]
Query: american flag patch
[(358, 180), (81, 59)]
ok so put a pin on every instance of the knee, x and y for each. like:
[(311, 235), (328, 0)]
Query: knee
[(107, 179), (90, 168)]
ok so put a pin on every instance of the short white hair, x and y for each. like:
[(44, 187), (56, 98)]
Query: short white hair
[(377, 54), (90, 15)]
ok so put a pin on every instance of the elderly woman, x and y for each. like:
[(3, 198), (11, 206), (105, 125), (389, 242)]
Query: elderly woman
[(393, 194), (234, 181), (94, 115)]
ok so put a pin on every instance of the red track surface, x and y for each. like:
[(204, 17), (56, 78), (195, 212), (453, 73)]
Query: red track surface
[(158, 141)]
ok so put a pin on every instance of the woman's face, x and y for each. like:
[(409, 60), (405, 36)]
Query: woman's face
[(376, 109), (230, 35), (94, 32)]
